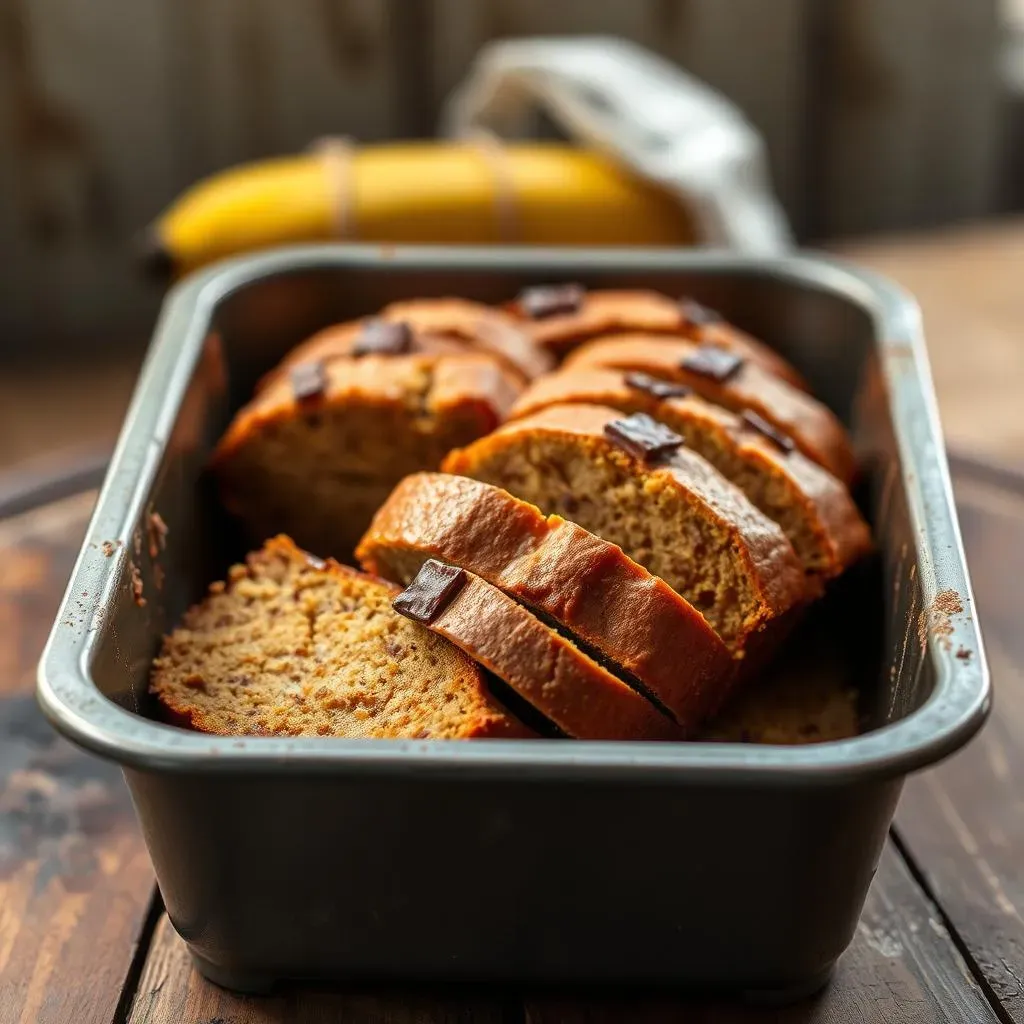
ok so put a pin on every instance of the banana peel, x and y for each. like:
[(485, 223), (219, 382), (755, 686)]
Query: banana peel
[(537, 193)]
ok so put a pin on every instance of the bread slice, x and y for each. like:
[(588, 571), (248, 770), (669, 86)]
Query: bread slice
[(607, 312), (812, 506), (434, 326), (481, 327), (676, 516), (317, 451), (293, 646), (813, 427), (587, 586), (542, 666)]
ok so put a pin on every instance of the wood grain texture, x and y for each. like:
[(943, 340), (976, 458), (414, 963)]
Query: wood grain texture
[(86, 158), (108, 111), (910, 139), (171, 991), (75, 880), (963, 822)]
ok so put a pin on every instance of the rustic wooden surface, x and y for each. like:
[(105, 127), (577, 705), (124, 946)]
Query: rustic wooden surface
[(75, 885), (75, 880)]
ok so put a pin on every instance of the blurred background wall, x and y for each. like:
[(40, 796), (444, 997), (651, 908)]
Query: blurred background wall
[(880, 115)]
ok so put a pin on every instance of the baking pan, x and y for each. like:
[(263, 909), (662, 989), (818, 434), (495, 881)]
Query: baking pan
[(715, 866)]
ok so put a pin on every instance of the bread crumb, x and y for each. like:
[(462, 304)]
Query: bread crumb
[(935, 619), (137, 585), (156, 530)]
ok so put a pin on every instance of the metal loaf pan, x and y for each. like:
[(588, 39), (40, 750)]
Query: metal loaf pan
[(729, 866)]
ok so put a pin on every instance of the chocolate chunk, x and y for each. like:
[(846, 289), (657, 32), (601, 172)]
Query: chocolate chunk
[(713, 362), (696, 315), (642, 437), (551, 300), (435, 587), (656, 387), (383, 338), (309, 381), (762, 426)]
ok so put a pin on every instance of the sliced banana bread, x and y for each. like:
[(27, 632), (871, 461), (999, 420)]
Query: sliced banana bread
[(434, 326), (727, 379), (317, 450), (586, 585), (545, 668), (560, 318), (479, 326), (634, 483), (812, 506), (293, 646)]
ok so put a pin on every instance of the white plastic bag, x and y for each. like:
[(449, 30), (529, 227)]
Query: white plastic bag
[(615, 97)]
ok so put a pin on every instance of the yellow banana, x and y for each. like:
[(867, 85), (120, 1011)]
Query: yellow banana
[(417, 192)]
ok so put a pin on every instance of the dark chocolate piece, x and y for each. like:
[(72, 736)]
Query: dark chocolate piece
[(309, 381), (696, 315), (762, 426), (713, 362), (433, 589), (656, 387), (384, 338), (642, 437), (551, 300)]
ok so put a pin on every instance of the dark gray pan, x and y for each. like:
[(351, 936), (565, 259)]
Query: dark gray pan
[(727, 866)]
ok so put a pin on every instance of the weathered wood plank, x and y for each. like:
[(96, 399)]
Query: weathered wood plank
[(913, 117), (86, 158), (260, 78), (963, 823), (171, 991), (75, 880), (753, 52), (108, 111)]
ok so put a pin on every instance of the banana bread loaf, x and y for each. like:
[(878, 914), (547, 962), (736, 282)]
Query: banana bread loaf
[(293, 646), (584, 584), (633, 483), (560, 318), (738, 384), (583, 699), (812, 506), (317, 450), (435, 326)]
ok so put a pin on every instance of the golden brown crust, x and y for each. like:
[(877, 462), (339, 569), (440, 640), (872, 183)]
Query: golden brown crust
[(319, 468), (242, 661), (836, 534), (440, 327), (813, 426), (606, 312), (571, 689), (765, 558), (482, 327), (584, 583), (338, 342)]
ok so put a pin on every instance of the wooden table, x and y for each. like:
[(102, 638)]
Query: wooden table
[(83, 938)]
